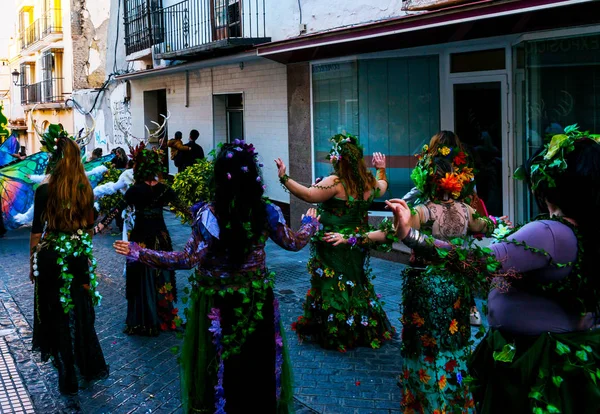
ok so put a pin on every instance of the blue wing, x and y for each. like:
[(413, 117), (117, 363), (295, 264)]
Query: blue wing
[(8, 147)]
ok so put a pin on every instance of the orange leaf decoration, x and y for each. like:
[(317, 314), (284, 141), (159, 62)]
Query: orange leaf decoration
[(453, 326), (442, 382), (423, 376), (428, 341), (456, 304), (417, 320)]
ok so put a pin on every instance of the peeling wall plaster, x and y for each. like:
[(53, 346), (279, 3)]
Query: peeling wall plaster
[(89, 26)]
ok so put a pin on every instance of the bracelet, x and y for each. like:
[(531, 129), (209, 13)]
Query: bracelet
[(284, 179), (381, 176), (415, 239)]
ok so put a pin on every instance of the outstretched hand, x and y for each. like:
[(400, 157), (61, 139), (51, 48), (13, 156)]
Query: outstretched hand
[(402, 216), (122, 247), (312, 212), (378, 160), (280, 167), (335, 239), (507, 222)]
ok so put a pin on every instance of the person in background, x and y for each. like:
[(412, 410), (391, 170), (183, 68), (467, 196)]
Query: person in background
[(177, 150), (120, 160), (96, 153), (196, 153)]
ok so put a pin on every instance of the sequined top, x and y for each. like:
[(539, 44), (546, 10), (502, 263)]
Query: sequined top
[(212, 263)]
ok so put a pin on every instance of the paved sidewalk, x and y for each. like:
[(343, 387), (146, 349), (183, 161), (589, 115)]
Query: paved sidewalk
[(144, 375)]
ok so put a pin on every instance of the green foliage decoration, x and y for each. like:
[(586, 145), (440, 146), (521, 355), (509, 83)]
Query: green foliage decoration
[(109, 202), (193, 185)]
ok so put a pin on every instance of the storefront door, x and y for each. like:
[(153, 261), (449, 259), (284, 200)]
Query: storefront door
[(479, 113)]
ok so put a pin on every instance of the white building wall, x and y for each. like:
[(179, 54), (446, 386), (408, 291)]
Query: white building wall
[(264, 86), (283, 17)]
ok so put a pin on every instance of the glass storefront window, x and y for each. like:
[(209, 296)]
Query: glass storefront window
[(557, 84), (393, 105)]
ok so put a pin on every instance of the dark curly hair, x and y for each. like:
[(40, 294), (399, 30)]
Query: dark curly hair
[(238, 200)]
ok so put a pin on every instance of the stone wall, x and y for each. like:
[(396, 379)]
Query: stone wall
[(89, 32)]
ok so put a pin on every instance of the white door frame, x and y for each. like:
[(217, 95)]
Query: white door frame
[(508, 190)]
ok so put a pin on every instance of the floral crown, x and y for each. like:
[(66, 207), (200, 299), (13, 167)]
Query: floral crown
[(458, 184), (338, 149), (239, 145), (550, 162)]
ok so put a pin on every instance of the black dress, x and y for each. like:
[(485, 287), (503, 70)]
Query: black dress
[(69, 338), (150, 292)]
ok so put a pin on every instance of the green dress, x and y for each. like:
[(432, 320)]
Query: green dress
[(436, 329), (341, 309)]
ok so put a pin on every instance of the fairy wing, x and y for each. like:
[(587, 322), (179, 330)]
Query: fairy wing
[(90, 165), (8, 147), (17, 190), (95, 166)]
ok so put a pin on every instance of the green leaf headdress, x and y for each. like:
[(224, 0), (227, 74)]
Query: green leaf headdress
[(338, 148), (550, 162)]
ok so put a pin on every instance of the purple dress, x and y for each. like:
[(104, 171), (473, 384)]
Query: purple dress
[(522, 312), (233, 357)]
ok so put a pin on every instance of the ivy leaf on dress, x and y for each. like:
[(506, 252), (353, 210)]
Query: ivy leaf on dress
[(506, 355)]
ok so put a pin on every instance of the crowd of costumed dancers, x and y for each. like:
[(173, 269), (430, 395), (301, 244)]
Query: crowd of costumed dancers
[(540, 353)]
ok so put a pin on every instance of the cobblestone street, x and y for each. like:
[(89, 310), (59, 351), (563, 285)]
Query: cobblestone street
[(144, 373)]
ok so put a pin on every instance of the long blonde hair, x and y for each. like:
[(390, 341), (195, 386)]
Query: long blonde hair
[(70, 195)]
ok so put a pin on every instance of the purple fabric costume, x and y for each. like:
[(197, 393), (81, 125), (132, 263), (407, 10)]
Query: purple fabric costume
[(524, 313), (249, 373)]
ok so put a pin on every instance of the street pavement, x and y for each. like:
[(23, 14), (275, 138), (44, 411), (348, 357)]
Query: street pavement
[(144, 372)]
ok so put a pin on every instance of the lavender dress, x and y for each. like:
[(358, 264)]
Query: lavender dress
[(233, 358)]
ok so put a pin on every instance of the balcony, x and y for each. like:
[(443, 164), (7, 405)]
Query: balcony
[(46, 29), (193, 28), (46, 91)]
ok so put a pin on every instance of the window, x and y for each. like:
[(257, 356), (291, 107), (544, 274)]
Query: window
[(559, 86), (144, 24), (393, 106)]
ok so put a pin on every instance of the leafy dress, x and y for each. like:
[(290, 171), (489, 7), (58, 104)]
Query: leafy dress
[(341, 309), (234, 358), (435, 318), (64, 317), (150, 292)]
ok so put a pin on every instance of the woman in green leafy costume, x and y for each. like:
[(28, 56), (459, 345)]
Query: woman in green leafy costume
[(542, 352), (63, 266), (341, 310), (436, 305)]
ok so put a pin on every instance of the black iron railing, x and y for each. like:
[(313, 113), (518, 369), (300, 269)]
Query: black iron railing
[(143, 24), (46, 91), (205, 24), (49, 23)]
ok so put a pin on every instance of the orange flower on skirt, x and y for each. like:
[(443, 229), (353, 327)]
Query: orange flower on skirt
[(428, 341), (417, 320), (423, 376), (453, 326), (442, 382)]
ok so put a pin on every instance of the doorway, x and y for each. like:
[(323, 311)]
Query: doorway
[(479, 107), (155, 106)]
